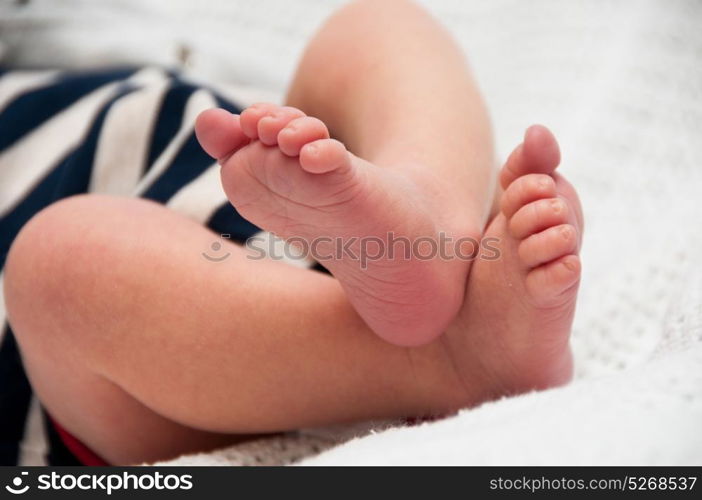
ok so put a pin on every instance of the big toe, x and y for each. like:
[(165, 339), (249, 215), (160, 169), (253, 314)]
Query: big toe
[(219, 133), (537, 154)]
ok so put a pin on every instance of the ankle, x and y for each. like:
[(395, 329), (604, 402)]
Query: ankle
[(432, 384)]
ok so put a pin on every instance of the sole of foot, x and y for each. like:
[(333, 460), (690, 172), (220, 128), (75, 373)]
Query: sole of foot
[(512, 334)]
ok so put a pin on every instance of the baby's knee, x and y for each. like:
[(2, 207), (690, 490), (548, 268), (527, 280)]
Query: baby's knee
[(51, 267)]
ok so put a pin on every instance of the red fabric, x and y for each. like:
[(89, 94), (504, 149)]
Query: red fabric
[(85, 455)]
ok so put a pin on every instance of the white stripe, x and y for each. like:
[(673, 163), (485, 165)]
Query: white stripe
[(34, 445), (16, 83), (199, 199), (277, 248), (199, 101), (24, 164), (124, 140)]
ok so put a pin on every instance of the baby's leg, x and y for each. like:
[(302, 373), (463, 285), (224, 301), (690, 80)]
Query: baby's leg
[(393, 86), (144, 349)]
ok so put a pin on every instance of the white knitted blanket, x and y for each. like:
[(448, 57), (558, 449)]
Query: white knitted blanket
[(620, 83)]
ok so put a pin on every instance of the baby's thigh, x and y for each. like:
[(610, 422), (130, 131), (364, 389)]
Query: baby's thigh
[(87, 280)]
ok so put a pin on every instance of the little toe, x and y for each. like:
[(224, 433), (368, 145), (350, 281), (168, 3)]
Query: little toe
[(538, 154), (526, 189), (537, 216), (549, 244), (549, 284), (299, 132), (323, 156), (270, 125), (219, 133), (253, 114)]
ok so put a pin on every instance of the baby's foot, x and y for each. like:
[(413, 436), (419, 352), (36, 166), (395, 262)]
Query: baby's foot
[(513, 331), (282, 172)]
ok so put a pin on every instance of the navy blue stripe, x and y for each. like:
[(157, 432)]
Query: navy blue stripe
[(33, 108), (42, 196), (188, 163), (226, 220), (170, 117), (15, 396), (70, 176), (225, 104), (76, 169), (168, 121)]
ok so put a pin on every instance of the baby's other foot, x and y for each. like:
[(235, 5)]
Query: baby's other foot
[(513, 332), (283, 172)]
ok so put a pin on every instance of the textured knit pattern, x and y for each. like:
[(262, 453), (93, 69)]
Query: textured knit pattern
[(620, 84)]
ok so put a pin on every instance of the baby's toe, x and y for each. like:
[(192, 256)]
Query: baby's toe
[(554, 282), (219, 133), (299, 132), (526, 189), (252, 115), (539, 153), (548, 245), (537, 216), (323, 156), (270, 125)]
